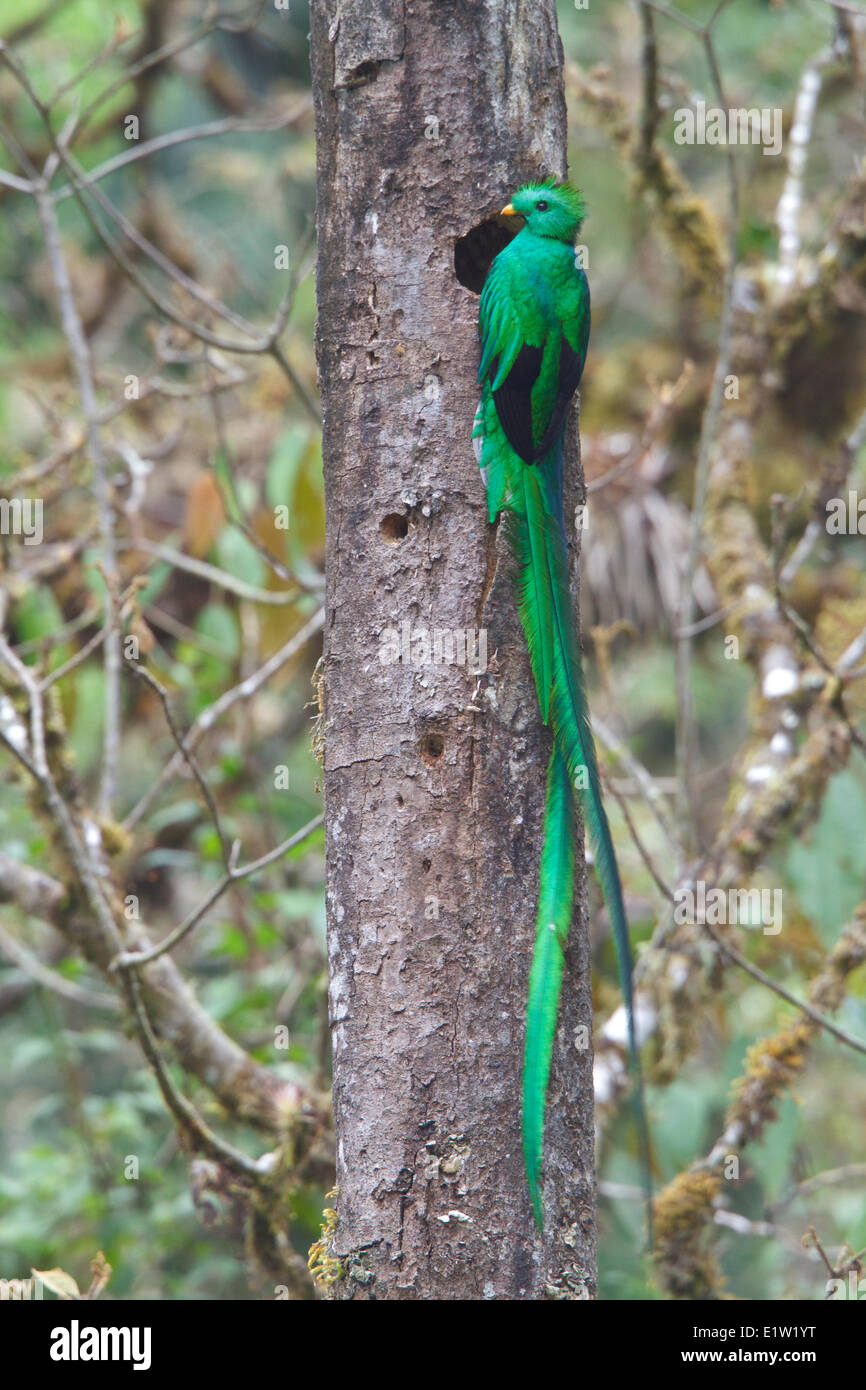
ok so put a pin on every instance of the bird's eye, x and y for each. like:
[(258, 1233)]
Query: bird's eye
[(541, 207)]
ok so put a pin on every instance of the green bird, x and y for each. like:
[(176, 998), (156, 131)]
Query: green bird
[(534, 330)]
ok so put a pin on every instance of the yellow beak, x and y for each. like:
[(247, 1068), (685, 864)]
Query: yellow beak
[(508, 211)]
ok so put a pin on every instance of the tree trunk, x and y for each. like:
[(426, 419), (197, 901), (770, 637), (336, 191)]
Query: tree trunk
[(428, 116)]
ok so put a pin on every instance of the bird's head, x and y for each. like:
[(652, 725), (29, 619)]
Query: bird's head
[(549, 209)]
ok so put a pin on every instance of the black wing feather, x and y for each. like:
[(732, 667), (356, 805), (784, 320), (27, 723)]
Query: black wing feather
[(570, 372), (513, 400)]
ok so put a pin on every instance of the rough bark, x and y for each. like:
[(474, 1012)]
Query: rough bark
[(428, 116)]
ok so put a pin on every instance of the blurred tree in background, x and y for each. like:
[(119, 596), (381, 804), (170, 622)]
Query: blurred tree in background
[(158, 394)]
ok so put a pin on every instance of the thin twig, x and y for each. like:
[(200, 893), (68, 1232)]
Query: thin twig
[(80, 656), (817, 526), (757, 974), (148, 61), (13, 181), (50, 979), (209, 716), (277, 598), (229, 125), (799, 139), (74, 332), (653, 794), (129, 960), (117, 40), (709, 427), (849, 1172), (265, 343), (664, 889), (175, 628), (203, 1137), (87, 876), (142, 674)]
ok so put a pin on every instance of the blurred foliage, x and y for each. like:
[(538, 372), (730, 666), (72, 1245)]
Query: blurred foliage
[(77, 1098), (645, 324)]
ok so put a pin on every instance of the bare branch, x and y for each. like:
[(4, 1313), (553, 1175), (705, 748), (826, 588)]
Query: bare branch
[(276, 598), (208, 717), (130, 960), (142, 674), (229, 125), (13, 950), (75, 337)]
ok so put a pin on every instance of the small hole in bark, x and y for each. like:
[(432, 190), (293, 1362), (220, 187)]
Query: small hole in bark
[(394, 527), (362, 72), (474, 252), (399, 799), (432, 747)]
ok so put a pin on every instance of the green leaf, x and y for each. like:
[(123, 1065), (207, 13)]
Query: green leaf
[(284, 465), (85, 734), (219, 623), (157, 580), (239, 557), (234, 943), (825, 867), (37, 614)]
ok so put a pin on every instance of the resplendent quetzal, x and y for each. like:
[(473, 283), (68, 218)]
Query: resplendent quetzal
[(534, 330)]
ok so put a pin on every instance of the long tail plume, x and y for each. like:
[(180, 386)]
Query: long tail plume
[(555, 903), (535, 531)]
